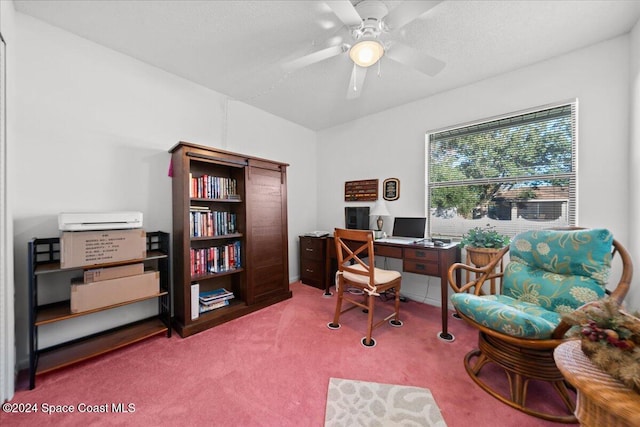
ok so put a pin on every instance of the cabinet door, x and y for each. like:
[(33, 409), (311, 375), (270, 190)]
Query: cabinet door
[(267, 251)]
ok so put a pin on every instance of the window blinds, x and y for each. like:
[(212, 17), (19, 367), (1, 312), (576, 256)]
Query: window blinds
[(514, 173)]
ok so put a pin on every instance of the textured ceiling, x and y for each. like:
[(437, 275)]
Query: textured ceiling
[(237, 48)]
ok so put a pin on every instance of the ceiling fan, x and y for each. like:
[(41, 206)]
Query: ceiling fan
[(371, 26)]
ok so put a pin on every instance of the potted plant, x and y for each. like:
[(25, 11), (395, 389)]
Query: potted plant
[(482, 244)]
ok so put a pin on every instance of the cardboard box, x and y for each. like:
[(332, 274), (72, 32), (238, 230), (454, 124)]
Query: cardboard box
[(107, 273), (90, 296), (82, 248)]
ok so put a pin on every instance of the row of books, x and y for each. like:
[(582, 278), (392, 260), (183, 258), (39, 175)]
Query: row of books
[(217, 298), (213, 187), (205, 222), (202, 302), (215, 259)]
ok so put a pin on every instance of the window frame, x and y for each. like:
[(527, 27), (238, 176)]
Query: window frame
[(492, 123)]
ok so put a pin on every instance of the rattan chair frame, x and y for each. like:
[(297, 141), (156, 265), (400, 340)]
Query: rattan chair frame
[(524, 359)]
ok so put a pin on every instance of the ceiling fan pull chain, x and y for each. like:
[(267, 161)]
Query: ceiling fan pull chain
[(379, 69)]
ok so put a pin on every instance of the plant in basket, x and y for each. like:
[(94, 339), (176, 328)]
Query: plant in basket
[(482, 244), (610, 337)]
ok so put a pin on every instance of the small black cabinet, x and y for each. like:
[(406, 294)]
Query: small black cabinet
[(313, 269)]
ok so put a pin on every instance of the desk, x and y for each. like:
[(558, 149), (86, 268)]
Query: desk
[(601, 399), (418, 258)]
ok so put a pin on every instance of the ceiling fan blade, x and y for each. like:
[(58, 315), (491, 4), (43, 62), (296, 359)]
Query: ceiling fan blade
[(422, 62), (356, 82), (407, 12), (345, 11), (314, 57)]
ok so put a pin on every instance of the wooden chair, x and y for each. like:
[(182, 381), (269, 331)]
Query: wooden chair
[(519, 321), (368, 282)]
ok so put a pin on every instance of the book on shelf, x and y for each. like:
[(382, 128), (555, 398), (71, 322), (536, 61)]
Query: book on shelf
[(208, 307), (216, 294), (216, 298), (213, 187), (195, 306), (203, 222), (216, 259)]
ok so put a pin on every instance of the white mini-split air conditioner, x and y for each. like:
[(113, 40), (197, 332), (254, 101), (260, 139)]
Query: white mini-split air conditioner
[(85, 221)]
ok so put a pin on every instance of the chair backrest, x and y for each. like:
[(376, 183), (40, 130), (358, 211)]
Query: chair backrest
[(559, 270), (351, 247)]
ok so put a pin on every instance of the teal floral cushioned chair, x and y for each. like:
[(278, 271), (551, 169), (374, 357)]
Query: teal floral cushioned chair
[(550, 272)]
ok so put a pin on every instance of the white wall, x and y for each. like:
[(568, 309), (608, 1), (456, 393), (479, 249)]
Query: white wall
[(634, 160), (392, 143), (93, 132), (7, 287)]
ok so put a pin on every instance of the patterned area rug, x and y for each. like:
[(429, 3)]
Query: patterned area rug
[(361, 403)]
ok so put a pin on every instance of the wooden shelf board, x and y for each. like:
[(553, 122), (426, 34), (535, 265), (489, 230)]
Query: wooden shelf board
[(54, 267), (224, 236), (62, 310), (211, 276), (234, 304), (49, 360), (201, 199)]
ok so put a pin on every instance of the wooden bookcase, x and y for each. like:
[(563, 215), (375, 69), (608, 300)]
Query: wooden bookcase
[(257, 202), (44, 262)]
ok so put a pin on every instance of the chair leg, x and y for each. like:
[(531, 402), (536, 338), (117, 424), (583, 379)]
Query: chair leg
[(396, 318), (480, 361), (517, 388), (368, 341), (563, 392), (340, 296)]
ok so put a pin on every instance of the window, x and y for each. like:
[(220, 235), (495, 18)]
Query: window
[(514, 173)]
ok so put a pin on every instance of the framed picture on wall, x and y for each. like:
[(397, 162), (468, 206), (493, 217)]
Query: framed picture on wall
[(361, 191), (391, 189)]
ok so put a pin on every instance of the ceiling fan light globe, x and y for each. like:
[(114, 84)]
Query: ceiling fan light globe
[(365, 53)]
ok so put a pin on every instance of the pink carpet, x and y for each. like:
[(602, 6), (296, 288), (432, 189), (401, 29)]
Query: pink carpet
[(271, 368)]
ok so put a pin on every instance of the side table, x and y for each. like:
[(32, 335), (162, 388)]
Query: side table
[(601, 399)]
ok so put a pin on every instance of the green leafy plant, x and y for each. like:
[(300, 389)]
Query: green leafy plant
[(487, 237)]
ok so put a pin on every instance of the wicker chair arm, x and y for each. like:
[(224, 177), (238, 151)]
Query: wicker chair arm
[(482, 274), (560, 330), (622, 288)]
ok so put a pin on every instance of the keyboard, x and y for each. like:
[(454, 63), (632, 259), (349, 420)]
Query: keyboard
[(398, 240)]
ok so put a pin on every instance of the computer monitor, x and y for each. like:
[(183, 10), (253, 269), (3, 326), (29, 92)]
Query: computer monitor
[(409, 227), (356, 218)]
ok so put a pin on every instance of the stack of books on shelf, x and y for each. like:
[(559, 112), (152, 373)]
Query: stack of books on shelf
[(211, 300), (213, 187), (205, 222), (217, 259)]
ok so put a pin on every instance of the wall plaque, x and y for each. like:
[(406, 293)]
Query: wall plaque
[(361, 191), (391, 189)]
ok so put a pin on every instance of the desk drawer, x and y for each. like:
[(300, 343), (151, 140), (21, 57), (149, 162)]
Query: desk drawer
[(388, 251), (312, 272), (421, 254), (421, 267), (312, 248)]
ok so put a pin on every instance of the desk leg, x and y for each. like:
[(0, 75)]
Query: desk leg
[(327, 271), (444, 307), (327, 292), (444, 292)]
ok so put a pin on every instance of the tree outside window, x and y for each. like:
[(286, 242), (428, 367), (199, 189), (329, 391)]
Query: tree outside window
[(515, 173)]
